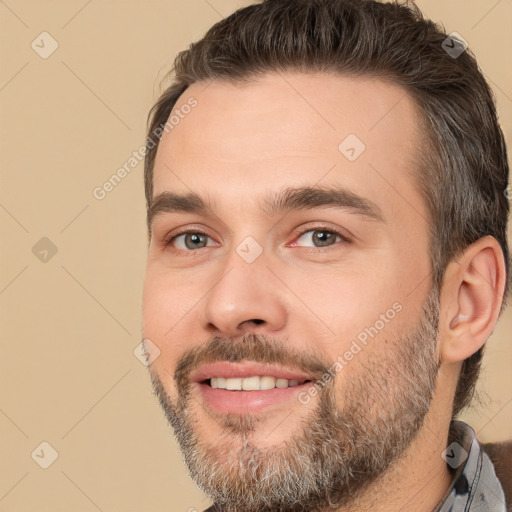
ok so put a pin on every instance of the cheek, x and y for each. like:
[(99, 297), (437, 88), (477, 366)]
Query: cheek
[(164, 307), (155, 306), (349, 301), (360, 311), (165, 300)]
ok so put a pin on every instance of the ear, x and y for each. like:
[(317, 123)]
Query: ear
[(471, 298)]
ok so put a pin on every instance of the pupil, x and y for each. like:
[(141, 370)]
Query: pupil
[(194, 238), (322, 237)]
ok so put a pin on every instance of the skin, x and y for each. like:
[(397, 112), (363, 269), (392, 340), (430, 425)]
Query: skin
[(245, 141)]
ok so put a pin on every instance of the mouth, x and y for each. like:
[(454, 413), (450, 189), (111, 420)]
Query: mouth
[(244, 388)]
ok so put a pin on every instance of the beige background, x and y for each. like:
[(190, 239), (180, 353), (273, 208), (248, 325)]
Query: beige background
[(68, 375)]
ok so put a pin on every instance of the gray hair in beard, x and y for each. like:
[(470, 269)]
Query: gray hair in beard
[(335, 455)]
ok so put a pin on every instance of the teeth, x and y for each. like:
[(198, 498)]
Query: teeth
[(252, 383), (267, 383), (281, 383), (234, 384)]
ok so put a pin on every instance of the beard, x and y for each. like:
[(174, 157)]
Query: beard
[(335, 453)]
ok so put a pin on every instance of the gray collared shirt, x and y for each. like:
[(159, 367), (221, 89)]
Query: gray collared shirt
[(475, 486)]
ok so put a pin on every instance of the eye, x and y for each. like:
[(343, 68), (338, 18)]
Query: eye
[(320, 238), (189, 241), (193, 240)]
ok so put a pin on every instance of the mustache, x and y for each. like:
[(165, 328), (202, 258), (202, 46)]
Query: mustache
[(249, 347)]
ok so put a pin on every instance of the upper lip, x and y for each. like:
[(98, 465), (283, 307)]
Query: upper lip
[(229, 370)]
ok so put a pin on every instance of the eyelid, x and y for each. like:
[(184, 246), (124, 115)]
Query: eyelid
[(343, 233), (167, 240), (299, 232)]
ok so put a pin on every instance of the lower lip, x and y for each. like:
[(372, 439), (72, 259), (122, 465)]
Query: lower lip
[(247, 402)]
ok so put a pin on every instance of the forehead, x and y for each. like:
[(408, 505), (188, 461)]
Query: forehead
[(292, 128)]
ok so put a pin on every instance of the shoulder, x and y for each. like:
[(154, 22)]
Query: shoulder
[(501, 458)]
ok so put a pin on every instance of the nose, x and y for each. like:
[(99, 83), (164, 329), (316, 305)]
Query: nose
[(246, 297)]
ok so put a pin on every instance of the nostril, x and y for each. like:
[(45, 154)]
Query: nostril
[(257, 321)]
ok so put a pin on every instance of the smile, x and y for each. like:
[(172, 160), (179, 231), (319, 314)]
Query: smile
[(246, 387)]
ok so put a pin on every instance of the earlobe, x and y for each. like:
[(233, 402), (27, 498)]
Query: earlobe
[(471, 298)]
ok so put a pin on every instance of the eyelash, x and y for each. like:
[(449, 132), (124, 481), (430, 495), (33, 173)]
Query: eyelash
[(297, 234)]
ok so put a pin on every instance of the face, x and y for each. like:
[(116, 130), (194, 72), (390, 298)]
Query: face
[(288, 287)]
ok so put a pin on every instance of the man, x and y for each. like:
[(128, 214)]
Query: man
[(327, 216)]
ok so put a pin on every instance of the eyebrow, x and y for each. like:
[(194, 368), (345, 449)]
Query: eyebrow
[(288, 199)]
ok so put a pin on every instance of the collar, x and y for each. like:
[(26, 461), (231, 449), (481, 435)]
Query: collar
[(475, 486)]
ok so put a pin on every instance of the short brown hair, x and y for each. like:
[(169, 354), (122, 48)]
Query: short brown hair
[(464, 169)]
